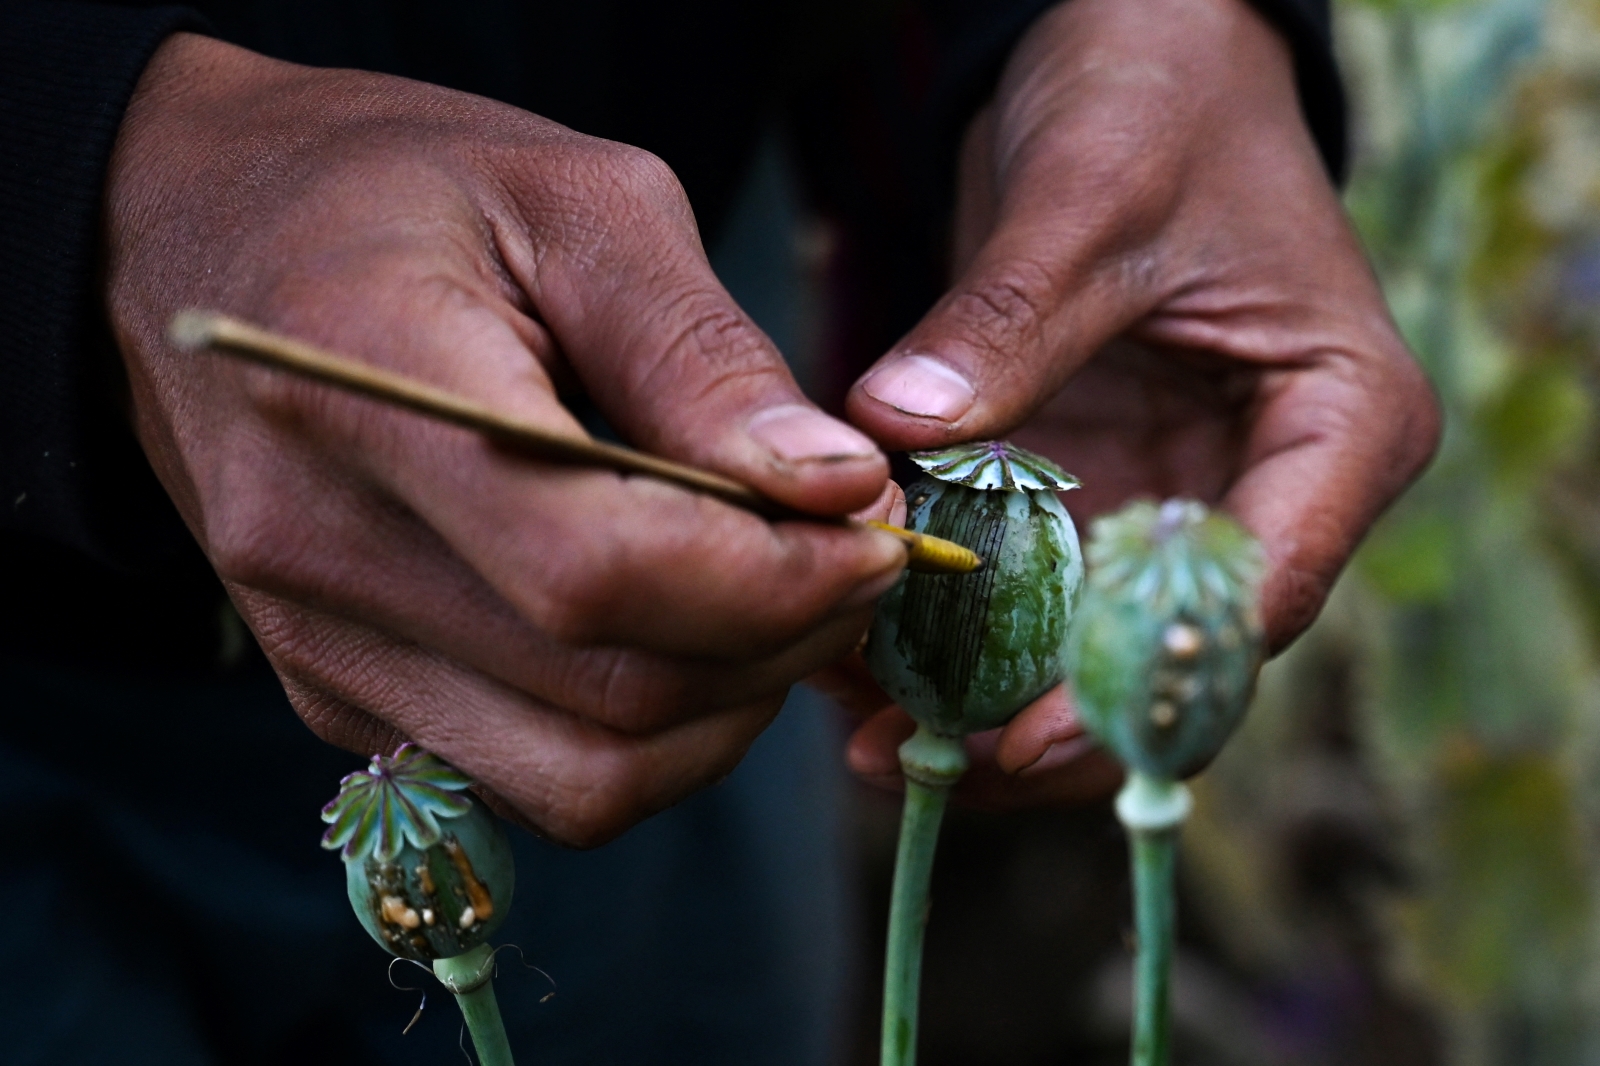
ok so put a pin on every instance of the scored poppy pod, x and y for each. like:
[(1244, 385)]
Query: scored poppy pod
[(965, 652), (428, 869)]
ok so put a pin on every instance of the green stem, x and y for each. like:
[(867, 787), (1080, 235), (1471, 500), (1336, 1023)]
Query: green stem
[(1154, 855), (1152, 809), (932, 764), (470, 977)]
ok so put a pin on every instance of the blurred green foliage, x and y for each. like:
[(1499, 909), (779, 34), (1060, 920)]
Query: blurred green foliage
[(1444, 712)]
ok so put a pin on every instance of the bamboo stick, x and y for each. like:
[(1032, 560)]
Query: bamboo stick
[(192, 330)]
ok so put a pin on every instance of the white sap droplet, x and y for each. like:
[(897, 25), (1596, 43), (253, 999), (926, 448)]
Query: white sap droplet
[(1183, 641), (396, 912), (468, 917)]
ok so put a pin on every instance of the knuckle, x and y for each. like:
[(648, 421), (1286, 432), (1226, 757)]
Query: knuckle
[(710, 343), (624, 689), (615, 179), (295, 645), (1301, 594), (1414, 414), (328, 661), (645, 174), (254, 547), (635, 699), (573, 603), (1424, 425), (602, 807), (616, 785), (1007, 310), (339, 723), (600, 195)]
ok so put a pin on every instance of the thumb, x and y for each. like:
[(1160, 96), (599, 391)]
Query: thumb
[(677, 367), (1039, 298), (1053, 252)]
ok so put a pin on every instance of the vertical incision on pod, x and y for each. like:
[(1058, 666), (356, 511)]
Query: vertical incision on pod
[(944, 617)]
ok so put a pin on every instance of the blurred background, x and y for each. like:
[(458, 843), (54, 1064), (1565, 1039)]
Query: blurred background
[(1393, 863)]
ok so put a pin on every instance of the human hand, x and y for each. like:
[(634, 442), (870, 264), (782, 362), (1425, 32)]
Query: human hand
[(589, 647), (1157, 287)]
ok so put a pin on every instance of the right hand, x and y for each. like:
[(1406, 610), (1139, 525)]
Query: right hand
[(589, 647)]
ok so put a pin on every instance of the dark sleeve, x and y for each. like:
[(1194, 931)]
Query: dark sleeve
[(1308, 27), (973, 37), (67, 71)]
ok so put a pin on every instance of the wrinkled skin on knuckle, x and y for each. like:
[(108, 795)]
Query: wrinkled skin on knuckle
[(353, 665), (261, 541), (1011, 305), (341, 724), (607, 800), (1422, 421), (610, 783), (1394, 410), (303, 661), (301, 649), (624, 186), (696, 335), (581, 583), (640, 696), (1004, 309), (646, 179), (599, 194)]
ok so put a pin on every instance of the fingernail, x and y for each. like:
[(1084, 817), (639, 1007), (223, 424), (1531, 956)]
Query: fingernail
[(923, 386), (897, 509), (796, 433)]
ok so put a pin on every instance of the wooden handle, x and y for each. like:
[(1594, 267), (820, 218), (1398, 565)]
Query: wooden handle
[(201, 329)]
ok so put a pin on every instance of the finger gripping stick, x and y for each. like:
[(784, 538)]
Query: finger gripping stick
[(191, 330)]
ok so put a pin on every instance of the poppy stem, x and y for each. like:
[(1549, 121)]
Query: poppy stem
[(932, 764), (1153, 809), (471, 977)]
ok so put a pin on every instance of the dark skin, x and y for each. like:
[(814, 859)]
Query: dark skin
[(593, 648), (1156, 285), (590, 648)]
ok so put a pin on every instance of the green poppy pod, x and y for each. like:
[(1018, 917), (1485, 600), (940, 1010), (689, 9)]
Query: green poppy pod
[(428, 868), (1167, 641), (965, 652)]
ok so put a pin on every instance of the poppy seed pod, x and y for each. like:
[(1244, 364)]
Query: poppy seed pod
[(1167, 642), (965, 652), (428, 869)]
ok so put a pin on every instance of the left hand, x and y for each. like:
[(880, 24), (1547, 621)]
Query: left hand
[(1156, 286)]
